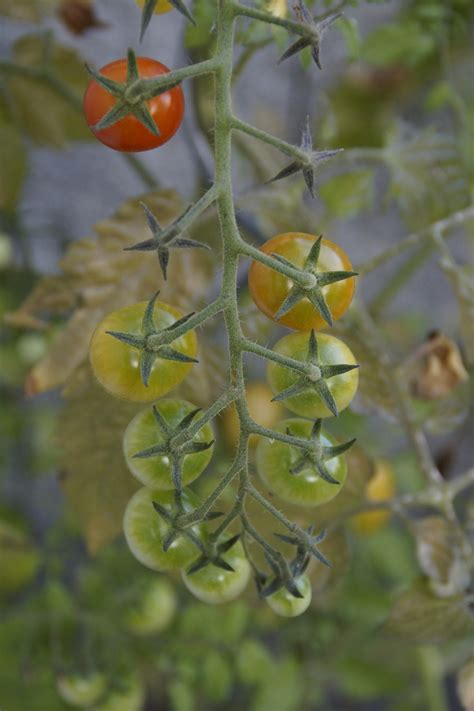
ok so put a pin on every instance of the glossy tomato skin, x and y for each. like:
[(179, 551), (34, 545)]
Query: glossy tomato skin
[(261, 409), (216, 586), (270, 288), (275, 459), (116, 364), (143, 432), (285, 604), (331, 351), (129, 134), (161, 7), (145, 531)]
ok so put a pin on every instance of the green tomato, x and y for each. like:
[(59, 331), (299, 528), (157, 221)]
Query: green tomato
[(145, 531), (215, 585), (116, 365), (285, 604), (130, 696), (81, 690), (307, 488), (331, 351), (155, 609), (143, 432)]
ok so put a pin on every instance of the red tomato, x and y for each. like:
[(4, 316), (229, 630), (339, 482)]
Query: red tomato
[(129, 134)]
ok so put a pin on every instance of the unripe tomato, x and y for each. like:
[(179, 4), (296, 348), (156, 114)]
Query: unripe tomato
[(331, 351), (261, 409), (117, 365), (145, 531), (128, 696), (380, 487), (161, 7), (269, 288), (20, 560), (285, 604), (129, 134), (81, 690), (154, 610), (307, 488), (279, 8), (143, 433), (215, 585)]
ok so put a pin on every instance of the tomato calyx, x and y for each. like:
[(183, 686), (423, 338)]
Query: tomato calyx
[(165, 238), (132, 96), (175, 443), (314, 35), (149, 8), (311, 284), (319, 454), (154, 344), (309, 162), (214, 555), (319, 386), (171, 515), (286, 576)]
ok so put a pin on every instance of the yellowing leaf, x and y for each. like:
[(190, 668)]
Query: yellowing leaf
[(419, 616), (40, 111), (13, 166), (98, 276), (26, 10), (94, 476)]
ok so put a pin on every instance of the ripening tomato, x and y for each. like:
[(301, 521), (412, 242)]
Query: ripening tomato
[(117, 365), (161, 7), (143, 433), (146, 530), (80, 689), (129, 134), (285, 604), (261, 409), (215, 585), (380, 487), (269, 288), (275, 460), (331, 351), (154, 610)]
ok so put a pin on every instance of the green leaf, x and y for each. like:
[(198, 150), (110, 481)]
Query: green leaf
[(13, 166), (63, 121), (94, 476), (348, 193), (419, 616)]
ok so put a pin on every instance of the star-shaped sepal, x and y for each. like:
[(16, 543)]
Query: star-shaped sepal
[(286, 576), (215, 557), (165, 238), (149, 8), (175, 444), (318, 455), (314, 36), (316, 377), (160, 348), (314, 292), (309, 164), (129, 96)]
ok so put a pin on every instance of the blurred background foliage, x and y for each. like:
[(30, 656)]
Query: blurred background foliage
[(391, 622)]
